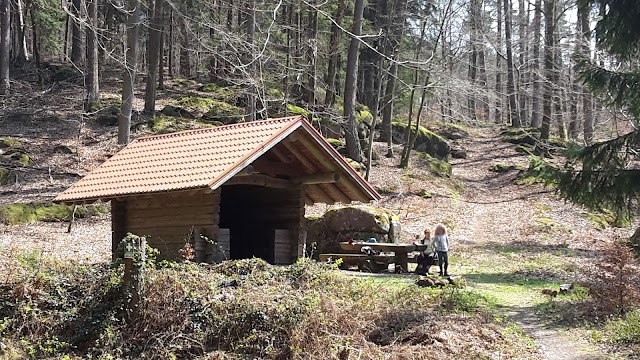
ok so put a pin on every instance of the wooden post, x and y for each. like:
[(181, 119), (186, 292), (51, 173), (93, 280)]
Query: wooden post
[(134, 260)]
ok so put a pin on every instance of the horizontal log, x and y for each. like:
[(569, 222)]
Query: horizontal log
[(324, 178), (200, 209), (259, 180), (172, 202)]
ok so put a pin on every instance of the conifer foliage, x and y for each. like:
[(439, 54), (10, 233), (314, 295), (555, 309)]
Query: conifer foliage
[(606, 175)]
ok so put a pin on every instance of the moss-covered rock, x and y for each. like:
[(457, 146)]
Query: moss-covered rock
[(4, 176), (223, 93), (8, 143), (350, 222), (108, 116), (338, 144), (177, 111), (436, 166), (502, 168), (162, 124), (329, 128), (426, 141), (521, 136), (297, 110), (21, 213), (224, 113), (450, 131), (21, 158)]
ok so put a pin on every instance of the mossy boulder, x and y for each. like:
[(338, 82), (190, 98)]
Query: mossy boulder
[(339, 145), (502, 168), (450, 131), (224, 113), (108, 116), (297, 110), (634, 242), (352, 222), (162, 124), (521, 136), (8, 143), (426, 141), (328, 128), (4, 176), (436, 166), (177, 111), (223, 93), (20, 213)]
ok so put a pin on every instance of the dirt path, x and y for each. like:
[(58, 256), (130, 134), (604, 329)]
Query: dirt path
[(499, 213)]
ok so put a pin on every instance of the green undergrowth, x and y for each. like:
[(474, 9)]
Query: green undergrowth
[(20, 213), (237, 309)]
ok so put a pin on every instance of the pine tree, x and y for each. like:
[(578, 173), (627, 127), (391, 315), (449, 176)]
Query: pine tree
[(606, 175)]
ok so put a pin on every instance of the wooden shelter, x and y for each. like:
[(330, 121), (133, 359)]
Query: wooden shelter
[(242, 187)]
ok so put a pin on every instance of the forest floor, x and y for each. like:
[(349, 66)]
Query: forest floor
[(509, 241)]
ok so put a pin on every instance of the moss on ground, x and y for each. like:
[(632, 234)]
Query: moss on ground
[(297, 110), (8, 143), (21, 213), (4, 176), (162, 124)]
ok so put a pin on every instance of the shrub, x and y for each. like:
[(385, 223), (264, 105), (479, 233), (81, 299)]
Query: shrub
[(614, 282), (625, 329)]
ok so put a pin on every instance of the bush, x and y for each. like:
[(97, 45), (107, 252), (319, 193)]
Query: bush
[(626, 329), (614, 282)]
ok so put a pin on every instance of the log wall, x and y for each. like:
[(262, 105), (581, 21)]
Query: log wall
[(167, 219)]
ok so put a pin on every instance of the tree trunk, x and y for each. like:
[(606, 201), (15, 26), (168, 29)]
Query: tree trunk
[(523, 20), (251, 31), (92, 79), (129, 76), (312, 54), (153, 55), (334, 53), (499, 93), (5, 45), (404, 161), (513, 105), (549, 24), (396, 29), (351, 134), (536, 96), (473, 57), (76, 32), (23, 54), (583, 18), (482, 66), (34, 34)]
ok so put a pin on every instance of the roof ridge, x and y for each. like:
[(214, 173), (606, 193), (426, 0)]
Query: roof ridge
[(216, 128)]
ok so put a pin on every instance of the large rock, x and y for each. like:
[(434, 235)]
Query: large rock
[(351, 223), (358, 218), (426, 141)]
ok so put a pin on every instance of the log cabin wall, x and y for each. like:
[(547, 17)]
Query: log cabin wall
[(166, 219), (253, 213)]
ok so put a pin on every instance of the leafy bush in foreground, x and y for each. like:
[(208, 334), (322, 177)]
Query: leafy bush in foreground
[(238, 309)]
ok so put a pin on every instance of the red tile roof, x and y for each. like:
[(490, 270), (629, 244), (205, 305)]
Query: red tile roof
[(193, 159)]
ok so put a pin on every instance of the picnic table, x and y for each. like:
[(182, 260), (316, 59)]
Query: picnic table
[(400, 251)]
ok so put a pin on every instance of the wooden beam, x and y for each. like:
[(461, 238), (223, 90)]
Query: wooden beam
[(324, 197), (329, 164), (260, 180), (334, 193), (300, 156), (269, 167), (282, 157), (325, 178)]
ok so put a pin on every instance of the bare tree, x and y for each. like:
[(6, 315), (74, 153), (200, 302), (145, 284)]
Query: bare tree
[(92, 77), (334, 54), (511, 90), (131, 61), (583, 18), (153, 55), (536, 96), (499, 97), (5, 45), (547, 99), (76, 32), (351, 83)]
